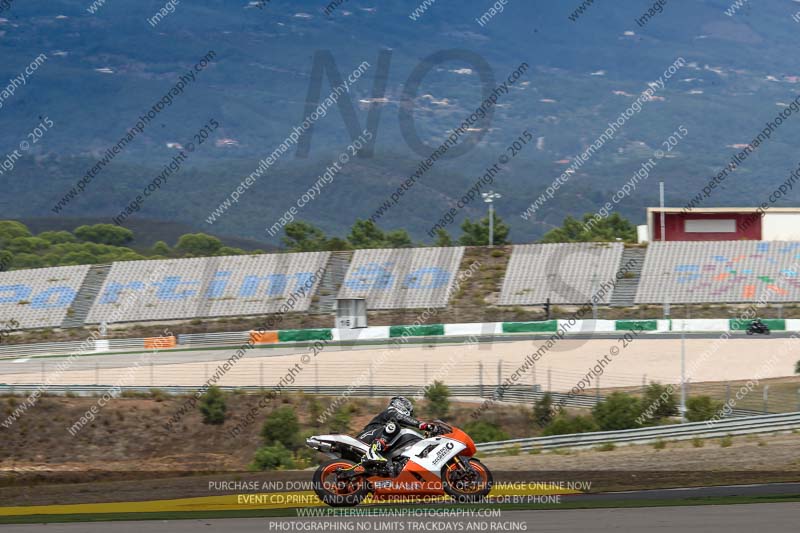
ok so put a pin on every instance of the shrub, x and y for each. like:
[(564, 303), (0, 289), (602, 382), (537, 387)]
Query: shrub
[(617, 411), (697, 442), (661, 400), (543, 410), (158, 395), (564, 425), (660, 444), (726, 441), (104, 234), (340, 421), (212, 406), (607, 447), (484, 431), (315, 410), (797, 367), (513, 450), (281, 427), (438, 396), (274, 457), (701, 408)]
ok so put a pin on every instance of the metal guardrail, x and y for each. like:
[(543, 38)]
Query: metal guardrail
[(733, 426), (213, 339), (487, 392), (516, 394), (65, 348)]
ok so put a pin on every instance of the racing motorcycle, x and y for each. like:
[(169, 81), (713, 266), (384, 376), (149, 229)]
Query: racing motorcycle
[(758, 327), (434, 463)]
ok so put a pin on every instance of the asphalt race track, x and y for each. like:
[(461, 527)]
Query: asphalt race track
[(706, 519), (655, 356)]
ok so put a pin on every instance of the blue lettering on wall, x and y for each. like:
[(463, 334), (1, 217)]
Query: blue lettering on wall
[(416, 280), (111, 295), (303, 281), (217, 286), (65, 295), (370, 276), (277, 284), (168, 289), (19, 292)]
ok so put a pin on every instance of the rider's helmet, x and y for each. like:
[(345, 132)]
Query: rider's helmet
[(402, 404)]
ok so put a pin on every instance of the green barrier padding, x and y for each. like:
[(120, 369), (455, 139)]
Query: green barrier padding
[(775, 324), (416, 331), (530, 327), (640, 325), (288, 335)]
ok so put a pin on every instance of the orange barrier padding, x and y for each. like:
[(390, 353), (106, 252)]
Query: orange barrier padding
[(160, 342), (268, 337)]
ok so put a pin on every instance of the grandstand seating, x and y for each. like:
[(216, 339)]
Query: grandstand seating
[(720, 271), (206, 287), (39, 297), (403, 278), (566, 273)]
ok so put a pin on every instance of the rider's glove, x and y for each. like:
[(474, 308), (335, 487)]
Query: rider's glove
[(425, 426)]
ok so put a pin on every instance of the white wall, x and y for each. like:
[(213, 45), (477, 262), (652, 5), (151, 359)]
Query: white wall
[(642, 233), (780, 227)]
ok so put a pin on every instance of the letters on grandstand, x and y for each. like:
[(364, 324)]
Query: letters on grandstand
[(381, 276)]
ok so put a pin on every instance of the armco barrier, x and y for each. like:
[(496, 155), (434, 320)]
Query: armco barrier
[(361, 334), (266, 337), (379, 333), (775, 324), (548, 326), (641, 325), (213, 339), (720, 325), (427, 330), (731, 426), (588, 326), (514, 394), (300, 335), (159, 343), (473, 328)]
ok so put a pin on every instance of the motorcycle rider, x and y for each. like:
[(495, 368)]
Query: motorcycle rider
[(757, 325), (384, 426)]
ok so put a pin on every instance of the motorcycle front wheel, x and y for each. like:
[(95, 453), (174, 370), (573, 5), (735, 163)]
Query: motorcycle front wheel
[(467, 485)]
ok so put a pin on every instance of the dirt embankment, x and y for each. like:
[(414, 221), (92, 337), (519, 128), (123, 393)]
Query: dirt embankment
[(127, 454), (129, 434)]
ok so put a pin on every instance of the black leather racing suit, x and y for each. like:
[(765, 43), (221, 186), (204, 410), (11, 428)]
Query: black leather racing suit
[(386, 425)]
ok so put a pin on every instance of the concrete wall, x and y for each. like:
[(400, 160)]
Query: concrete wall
[(781, 227)]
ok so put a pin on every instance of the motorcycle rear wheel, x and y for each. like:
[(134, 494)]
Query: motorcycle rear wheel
[(339, 493)]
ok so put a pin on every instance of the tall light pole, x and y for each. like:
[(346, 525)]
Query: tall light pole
[(683, 371), (489, 198), (661, 203)]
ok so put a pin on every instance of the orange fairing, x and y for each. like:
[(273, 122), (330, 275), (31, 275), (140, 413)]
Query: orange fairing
[(460, 436), (412, 480)]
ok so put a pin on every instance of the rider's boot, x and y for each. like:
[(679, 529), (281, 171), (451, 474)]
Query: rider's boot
[(373, 455)]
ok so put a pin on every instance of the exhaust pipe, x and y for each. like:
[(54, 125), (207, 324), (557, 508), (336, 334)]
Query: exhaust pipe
[(324, 447)]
